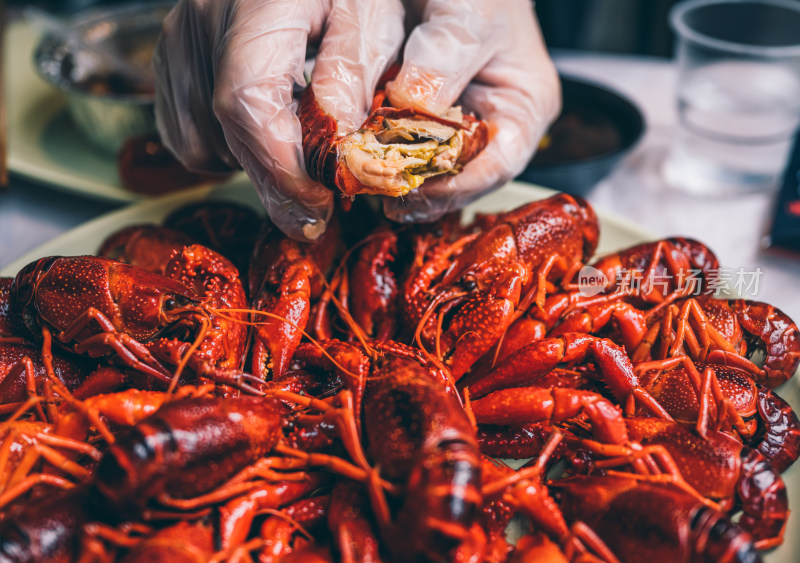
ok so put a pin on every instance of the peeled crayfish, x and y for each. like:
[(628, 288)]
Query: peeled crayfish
[(393, 151)]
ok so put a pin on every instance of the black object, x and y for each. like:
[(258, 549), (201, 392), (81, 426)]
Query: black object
[(784, 236), (598, 104), (68, 7)]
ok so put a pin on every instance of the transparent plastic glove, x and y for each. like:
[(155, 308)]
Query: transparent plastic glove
[(225, 71), (491, 56)]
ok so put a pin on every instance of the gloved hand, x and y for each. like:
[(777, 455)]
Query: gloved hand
[(225, 71), (491, 55)]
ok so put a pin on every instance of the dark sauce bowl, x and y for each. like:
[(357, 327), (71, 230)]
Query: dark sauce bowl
[(597, 127)]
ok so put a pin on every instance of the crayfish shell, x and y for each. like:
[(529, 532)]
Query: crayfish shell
[(393, 152)]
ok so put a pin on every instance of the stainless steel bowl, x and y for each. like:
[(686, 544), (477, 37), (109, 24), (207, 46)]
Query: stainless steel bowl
[(103, 105)]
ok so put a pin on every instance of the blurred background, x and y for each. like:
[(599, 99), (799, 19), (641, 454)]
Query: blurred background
[(615, 26)]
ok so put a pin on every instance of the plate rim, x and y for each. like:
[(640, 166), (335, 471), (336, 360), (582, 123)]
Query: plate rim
[(240, 183)]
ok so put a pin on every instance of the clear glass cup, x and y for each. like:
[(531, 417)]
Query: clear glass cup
[(738, 94)]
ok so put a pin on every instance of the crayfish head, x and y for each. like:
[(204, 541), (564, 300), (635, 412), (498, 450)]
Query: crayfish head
[(148, 305), (181, 317), (23, 292)]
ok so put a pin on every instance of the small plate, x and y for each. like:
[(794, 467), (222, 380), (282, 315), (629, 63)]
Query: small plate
[(43, 142), (615, 232)]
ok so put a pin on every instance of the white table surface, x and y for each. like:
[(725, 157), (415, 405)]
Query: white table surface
[(732, 227), (31, 214)]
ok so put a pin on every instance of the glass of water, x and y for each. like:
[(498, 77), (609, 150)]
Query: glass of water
[(738, 94)]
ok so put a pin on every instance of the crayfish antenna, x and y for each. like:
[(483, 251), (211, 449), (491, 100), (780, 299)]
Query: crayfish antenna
[(201, 334), (437, 301), (536, 470), (64, 392), (240, 380), (468, 409), (358, 331), (664, 465), (245, 386), (346, 424), (311, 339)]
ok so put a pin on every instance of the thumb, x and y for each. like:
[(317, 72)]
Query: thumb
[(443, 54)]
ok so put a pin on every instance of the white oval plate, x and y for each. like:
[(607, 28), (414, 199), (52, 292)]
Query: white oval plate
[(87, 238), (615, 232)]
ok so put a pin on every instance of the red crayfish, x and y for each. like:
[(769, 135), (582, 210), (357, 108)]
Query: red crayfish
[(382, 365), (100, 307)]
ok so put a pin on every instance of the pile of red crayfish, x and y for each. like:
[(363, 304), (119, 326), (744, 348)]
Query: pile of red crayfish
[(211, 390)]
